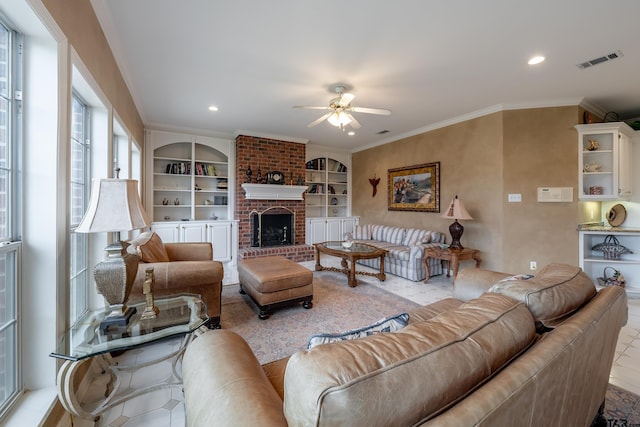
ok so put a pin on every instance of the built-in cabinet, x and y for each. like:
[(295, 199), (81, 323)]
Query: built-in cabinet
[(189, 192), (604, 161), (326, 229), (190, 177), (593, 262), (328, 188)]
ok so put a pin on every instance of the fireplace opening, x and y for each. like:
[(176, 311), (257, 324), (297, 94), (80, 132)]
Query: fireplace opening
[(273, 229)]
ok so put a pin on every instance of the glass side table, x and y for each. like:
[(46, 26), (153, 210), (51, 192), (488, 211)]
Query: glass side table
[(179, 315)]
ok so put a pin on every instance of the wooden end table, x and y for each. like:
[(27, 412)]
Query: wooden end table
[(452, 256)]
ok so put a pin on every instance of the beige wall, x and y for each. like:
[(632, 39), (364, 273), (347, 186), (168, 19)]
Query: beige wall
[(79, 24), (483, 160)]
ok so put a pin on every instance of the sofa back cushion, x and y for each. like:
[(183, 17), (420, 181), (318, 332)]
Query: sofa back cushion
[(555, 293), (387, 233), (362, 232), (412, 374), (415, 236)]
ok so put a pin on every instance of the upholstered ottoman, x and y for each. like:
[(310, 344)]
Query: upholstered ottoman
[(275, 281)]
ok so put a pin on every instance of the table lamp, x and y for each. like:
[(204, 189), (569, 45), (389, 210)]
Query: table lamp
[(115, 206), (456, 211)]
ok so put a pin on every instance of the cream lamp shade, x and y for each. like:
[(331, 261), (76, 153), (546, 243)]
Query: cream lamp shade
[(456, 211), (114, 206)]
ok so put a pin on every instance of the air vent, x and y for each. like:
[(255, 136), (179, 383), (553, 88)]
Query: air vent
[(600, 60), (382, 132)]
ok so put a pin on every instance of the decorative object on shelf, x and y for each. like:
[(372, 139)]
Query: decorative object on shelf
[(593, 145), (456, 211), (415, 188), (213, 216), (596, 190), (196, 187), (615, 279), (259, 177), (165, 201), (616, 215), (150, 311), (208, 202), (167, 217), (115, 206), (592, 167), (374, 183), (300, 180), (291, 179), (249, 173), (332, 189), (275, 177), (334, 201), (176, 201), (611, 247)]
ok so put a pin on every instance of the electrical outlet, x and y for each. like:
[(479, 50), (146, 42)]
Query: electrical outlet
[(533, 265)]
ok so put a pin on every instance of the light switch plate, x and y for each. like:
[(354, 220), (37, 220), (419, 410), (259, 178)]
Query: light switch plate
[(515, 198)]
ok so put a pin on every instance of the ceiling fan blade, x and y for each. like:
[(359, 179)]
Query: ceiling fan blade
[(371, 111), (346, 99), (320, 120), (353, 123), (306, 107)]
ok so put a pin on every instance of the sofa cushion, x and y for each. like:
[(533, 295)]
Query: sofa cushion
[(362, 232), (149, 247), (327, 384), (414, 236), (387, 324), (387, 233), (554, 293)]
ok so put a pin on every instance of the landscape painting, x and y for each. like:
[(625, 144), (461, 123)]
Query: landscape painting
[(415, 188)]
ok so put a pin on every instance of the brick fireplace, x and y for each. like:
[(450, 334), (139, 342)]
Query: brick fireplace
[(266, 155)]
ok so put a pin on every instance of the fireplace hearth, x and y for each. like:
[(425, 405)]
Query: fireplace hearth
[(273, 227)]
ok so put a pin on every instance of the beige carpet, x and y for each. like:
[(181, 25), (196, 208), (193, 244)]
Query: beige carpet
[(336, 308)]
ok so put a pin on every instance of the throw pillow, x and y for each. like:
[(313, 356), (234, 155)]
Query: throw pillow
[(516, 277), (153, 250), (387, 324)]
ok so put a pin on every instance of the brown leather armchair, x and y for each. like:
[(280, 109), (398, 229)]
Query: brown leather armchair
[(181, 268)]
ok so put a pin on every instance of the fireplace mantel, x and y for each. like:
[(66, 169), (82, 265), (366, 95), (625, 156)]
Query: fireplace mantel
[(273, 191)]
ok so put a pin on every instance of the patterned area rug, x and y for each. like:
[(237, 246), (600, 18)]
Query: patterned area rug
[(336, 308), (622, 409)]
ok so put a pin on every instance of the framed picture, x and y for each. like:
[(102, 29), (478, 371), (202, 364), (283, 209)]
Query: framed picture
[(415, 188)]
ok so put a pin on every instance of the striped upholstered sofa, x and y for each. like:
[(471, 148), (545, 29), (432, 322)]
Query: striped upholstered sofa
[(405, 246)]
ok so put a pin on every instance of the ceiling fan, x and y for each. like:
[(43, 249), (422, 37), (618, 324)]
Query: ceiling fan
[(340, 110)]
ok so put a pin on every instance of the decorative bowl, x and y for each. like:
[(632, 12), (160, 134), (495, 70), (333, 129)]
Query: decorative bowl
[(592, 167), (347, 244)]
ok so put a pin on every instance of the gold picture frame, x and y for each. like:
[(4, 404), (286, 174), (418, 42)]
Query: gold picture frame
[(414, 188)]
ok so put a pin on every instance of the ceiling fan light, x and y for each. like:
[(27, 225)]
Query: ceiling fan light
[(339, 119)]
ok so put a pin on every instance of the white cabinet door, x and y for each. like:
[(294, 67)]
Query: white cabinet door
[(192, 232), (349, 224), (315, 232), (169, 232), (219, 234), (334, 229)]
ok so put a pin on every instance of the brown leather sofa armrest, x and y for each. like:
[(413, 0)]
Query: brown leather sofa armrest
[(229, 389), (473, 282), (189, 251)]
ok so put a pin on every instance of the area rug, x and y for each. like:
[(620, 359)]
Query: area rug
[(621, 408), (336, 308)]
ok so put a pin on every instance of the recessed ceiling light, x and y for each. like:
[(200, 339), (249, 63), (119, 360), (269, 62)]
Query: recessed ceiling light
[(213, 108), (536, 60), (351, 133)]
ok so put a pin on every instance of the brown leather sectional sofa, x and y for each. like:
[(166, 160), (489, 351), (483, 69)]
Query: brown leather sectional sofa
[(534, 352)]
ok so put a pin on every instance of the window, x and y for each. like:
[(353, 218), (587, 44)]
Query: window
[(79, 280), (10, 143)]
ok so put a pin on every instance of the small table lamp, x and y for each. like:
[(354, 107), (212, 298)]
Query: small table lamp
[(456, 211), (115, 206)]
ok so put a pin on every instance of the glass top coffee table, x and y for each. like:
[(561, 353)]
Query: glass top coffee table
[(180, 315), (349, 257)]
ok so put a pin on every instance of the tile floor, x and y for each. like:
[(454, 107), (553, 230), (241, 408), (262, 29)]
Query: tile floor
[(165, 408)]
